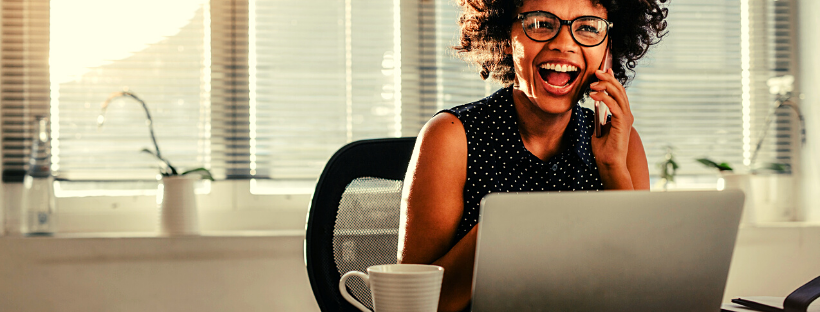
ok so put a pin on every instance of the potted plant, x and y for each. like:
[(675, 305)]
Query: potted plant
[(178, 208), (669, 168), (768, 186), (729, 179)]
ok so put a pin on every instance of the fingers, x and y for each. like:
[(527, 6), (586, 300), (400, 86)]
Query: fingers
[(614, 96), (621, 122), (607, 82), (610, 102)]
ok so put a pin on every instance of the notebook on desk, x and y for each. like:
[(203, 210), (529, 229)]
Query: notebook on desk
[(605, 251)]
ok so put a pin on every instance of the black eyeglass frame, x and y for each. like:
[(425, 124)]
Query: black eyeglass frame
[(524, 15)]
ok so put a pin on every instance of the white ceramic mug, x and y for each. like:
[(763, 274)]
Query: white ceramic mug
[(399, 287)]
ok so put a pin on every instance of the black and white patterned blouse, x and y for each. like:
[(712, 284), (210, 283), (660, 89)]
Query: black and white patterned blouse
[(497, 160)]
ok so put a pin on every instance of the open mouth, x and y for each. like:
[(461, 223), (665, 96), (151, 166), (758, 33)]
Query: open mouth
[(558, 75)]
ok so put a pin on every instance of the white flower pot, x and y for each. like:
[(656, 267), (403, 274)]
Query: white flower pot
[(768, 196), (178, 209), (741, 182)]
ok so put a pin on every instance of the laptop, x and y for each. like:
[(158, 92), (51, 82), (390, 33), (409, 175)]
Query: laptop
[(605, 251)]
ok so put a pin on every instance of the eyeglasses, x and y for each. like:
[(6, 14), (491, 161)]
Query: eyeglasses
[(587, 31)]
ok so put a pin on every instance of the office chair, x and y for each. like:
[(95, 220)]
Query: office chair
[(354, 217)]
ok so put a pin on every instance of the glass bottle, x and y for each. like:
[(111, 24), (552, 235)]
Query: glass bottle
[(38, 204)]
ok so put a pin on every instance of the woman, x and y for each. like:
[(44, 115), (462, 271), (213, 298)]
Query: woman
[(531, 135)]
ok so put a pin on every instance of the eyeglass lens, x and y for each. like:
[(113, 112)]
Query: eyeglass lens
[(542, 26)]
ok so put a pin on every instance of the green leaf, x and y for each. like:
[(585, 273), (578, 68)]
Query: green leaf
[(204, 173), (776, 167), (707, 162), (166, 162), (145, 150), (711, 164), (724, 166)]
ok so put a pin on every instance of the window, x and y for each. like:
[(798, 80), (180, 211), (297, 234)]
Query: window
[(166, 62), (269, 89), (321, 76), (703, 89)]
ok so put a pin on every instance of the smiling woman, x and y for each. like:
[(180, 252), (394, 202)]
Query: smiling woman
[(531, 135)]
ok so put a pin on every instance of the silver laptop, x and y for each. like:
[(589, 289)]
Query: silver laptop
[(605, 251)]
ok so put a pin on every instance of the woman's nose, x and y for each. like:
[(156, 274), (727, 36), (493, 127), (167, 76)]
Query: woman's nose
[(563, 42)]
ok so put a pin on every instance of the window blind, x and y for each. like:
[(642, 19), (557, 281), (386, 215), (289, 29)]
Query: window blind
[(25, 81), (162, 61), (703, 89), (230, 112), (271, 88), (325, 75), (785, 142), (447, 80), (321, 75), (687, 92)]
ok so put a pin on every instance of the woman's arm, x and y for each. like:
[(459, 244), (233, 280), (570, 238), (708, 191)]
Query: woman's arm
[(636, 162), (432, 206)]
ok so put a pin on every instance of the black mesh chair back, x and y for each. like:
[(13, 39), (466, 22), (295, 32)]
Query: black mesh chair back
[(354, 217)]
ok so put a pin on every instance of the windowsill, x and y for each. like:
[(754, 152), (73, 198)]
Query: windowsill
[(205, 234), (231, 209), (301, 233), (784, 224), (228, 207)]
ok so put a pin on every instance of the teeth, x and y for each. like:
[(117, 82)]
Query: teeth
[(559, 67)]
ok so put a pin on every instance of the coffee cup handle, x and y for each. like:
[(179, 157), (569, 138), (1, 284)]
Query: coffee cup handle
[(346, 295)]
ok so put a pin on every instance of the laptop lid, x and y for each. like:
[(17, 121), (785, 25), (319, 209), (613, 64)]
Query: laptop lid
[(605, 251)]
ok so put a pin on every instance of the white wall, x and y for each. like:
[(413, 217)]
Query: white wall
[(809, 87), (254, 273)]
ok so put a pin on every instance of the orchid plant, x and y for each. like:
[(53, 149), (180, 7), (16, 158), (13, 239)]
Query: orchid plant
[(781, 87), (165, 168)]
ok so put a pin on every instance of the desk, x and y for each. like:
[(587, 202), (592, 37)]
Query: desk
[(773, 259)]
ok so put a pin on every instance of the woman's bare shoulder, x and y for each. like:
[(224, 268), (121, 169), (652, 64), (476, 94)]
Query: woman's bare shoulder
[(444, 128), (441, 145)]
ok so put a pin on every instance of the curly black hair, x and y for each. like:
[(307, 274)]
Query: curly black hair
[(486, 24)]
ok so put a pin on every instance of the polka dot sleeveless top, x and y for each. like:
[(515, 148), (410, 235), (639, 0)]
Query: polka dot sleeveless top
[(497, 160)]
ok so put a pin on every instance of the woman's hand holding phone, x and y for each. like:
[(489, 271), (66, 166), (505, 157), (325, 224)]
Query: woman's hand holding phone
[(611, 148)]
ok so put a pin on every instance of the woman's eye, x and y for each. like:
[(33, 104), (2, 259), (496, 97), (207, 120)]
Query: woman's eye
[(587, 29), (541, 25)]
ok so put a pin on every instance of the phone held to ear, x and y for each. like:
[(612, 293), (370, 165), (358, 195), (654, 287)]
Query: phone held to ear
[(601, 111)]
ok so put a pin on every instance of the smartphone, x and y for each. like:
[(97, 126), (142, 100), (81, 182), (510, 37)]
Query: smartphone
[(601, 110)]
